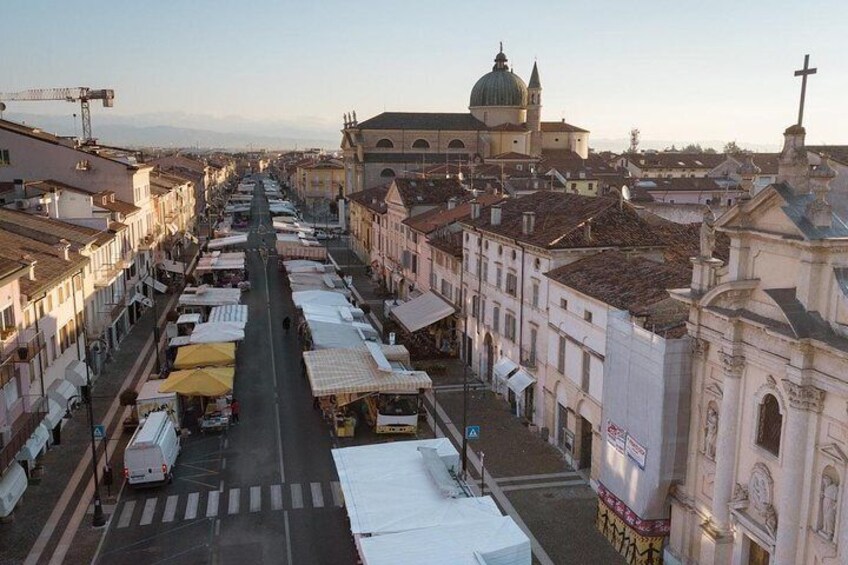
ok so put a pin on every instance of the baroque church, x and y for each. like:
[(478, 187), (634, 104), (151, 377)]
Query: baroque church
[(504, 122)]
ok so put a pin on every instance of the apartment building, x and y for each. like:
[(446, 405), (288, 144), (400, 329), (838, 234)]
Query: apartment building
[(366, 209), (669, 164), (318, 181)]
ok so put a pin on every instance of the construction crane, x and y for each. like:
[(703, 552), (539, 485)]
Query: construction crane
[(81, 94)]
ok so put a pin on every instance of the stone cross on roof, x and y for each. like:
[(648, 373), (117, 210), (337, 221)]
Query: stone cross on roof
[(803, 73)]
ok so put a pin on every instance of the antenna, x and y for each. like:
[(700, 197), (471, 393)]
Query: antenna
[(634, 140)]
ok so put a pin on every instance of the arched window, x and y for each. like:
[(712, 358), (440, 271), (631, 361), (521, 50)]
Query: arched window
[(456, 144), (387, 173), (421, 144), (769, 424), (385, 143)]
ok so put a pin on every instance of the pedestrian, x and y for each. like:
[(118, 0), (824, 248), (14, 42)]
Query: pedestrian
[(234, 410), (286, 324)]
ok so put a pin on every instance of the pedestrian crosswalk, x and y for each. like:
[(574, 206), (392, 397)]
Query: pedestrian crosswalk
[(221, 503)]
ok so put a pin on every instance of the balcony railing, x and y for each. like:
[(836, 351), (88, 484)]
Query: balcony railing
[(8, 370), (30, 343), (106, 274), (528, 358), (22, 429)]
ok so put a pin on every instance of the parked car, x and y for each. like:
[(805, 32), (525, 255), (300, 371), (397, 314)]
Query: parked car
[(151, 455)]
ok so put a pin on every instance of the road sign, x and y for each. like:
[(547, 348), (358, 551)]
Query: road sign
[(472, 432), (99, 431)]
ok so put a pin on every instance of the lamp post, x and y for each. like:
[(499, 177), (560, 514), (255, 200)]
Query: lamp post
[(152, 287), (457, 332), (99, 519)]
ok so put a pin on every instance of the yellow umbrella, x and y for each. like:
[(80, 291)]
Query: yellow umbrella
[(206, 381), (205, 355)]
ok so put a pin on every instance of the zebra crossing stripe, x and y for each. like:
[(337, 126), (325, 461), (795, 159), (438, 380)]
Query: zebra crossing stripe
[(337, 493), (255, 499), (317, 495), (233, 506), (297, 496), (147, 513), (126, 514), (191, 506), (170, 508), (276, 497), (212, 504)]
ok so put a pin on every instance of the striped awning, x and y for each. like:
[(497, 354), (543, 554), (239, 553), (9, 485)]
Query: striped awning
[(354, 371)]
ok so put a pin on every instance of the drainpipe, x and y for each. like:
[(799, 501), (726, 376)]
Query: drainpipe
[(521, 307), (37, 331)]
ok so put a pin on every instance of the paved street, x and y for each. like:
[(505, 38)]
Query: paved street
[(265, 491)]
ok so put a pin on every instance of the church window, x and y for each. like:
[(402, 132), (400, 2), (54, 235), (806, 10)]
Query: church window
[(387, 173), (769, 424), (456, 144), (421, 144), (514, 141), (556, 139), (385, 143)]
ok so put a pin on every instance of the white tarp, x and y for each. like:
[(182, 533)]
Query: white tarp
[(159, 286), (218, 261), (323, 297), (209, 296), (76, 374), (189, 319), (13, 483), (307, 266), (503, 368), (420, 312), (34, 445), (179, 341), (486, 541), (61, 391), (519, 381), (54, 415), (177, 267), (217, 332), (230, 313), (228, 241)]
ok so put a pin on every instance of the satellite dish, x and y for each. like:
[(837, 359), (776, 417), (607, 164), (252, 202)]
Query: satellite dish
[(625, 193)]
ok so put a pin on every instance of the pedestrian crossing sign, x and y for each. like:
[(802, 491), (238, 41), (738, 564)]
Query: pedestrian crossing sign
[(99, 431), (472, 432)]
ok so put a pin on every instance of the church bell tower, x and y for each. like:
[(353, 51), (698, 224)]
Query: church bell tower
[(534, 112)]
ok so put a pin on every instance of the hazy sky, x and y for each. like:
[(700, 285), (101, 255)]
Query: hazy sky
[(676, 69)]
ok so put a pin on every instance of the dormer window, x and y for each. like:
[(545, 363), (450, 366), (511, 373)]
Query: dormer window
[(83, 165)]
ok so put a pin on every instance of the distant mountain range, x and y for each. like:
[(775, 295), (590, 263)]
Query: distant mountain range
[(236, 133)]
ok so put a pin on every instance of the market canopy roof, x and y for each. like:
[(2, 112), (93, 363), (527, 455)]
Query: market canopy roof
[(352, 371), (208, 381), (206, 355), (420, 312), (229, 313), (228, 241), (218, 261), (209, 296), (217, 332)]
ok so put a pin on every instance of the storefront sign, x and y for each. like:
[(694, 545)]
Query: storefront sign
[(616, 436), (636, 452)]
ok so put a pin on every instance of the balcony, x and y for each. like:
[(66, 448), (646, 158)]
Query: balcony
[(30, 343), (528, 358), (107, 274), (22, 430), (7, 335), (8, 370)]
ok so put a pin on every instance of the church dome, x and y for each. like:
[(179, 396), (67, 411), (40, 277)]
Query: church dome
[(501, 87)]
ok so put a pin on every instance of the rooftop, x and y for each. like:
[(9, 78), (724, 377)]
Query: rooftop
[(423, 121), (682, 184), (441, 216), (49, 267), (48, 230), (427, 192), (372, 198), (561, 126), (674, 160)]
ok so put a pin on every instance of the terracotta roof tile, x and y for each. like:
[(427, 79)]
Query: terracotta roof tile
[(674, 160), (449, 243), (561, 127), (372, 198), (49, 268), (423, 121), (682, 184), (431, 220), (46, 229), (427, 192)]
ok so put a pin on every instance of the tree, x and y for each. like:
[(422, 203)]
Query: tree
[(692, 148), (731, 148)]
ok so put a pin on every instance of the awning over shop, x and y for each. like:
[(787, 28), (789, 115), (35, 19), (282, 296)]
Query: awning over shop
[(75, 373), (352, 371), (189, 319), (206, 355), (54, 415), (209, 381), (61, 391), (228, 241), (420, 312), (504, 368), (209, 296), (217, 332), (519, 381), (34, 445), (13, 483), (173, 228), (160, 287), (230, 313)]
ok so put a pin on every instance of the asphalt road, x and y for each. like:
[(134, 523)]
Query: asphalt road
[(264, 491)]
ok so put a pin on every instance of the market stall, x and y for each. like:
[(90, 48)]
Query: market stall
[(205, 355)]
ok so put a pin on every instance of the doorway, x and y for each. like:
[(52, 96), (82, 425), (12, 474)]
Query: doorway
[(585, 443), (757, 554), (489, 357)]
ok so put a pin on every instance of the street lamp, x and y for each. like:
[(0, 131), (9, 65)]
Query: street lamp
[(465, 390), (152, 287), (99, 520)]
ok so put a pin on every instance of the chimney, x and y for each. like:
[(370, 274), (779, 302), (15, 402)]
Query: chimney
[(793, 164), (26, 258), (587, 230), (19, 188), (528, 222), (452, 202), (496, 215), (819, 211), (61, 249), (475, 209)]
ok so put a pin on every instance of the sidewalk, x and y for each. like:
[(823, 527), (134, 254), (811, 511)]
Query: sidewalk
[(364, 288), (18, 536)]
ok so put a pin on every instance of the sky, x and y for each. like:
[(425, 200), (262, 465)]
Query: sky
[(677, 70)]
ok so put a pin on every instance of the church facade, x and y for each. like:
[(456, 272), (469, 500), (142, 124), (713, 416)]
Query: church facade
[(504, 118)]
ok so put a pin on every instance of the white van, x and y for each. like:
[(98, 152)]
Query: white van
[(152, 452)]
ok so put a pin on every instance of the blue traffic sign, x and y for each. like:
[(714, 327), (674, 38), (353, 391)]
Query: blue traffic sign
[(99, 431), (472, 432)]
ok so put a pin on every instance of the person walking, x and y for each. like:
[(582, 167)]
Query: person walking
[(235, 407), (286, 324)]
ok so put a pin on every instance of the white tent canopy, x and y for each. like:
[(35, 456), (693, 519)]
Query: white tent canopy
[(324, 297), (217, 332), (504, 368), (420, 312), (229, 313), (228, 241), (218, 261), (519, 381), (209, 296)]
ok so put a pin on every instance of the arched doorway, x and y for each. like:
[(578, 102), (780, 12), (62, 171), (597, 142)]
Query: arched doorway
[(489, 357)]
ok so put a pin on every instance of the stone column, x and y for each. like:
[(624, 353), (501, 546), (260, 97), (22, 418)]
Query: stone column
[(803, 402), (726, 442)]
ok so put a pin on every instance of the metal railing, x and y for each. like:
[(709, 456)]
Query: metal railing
[(25, 425), (528, 357), (30, 343), (8, 370)]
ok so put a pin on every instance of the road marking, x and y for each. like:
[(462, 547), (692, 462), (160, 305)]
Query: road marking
[(191, 506), (126, 514), (233, 505), (170, 508), (317, 495), (276, 497), (297, 496), (567, 474), (338, 500), (147, 513), (223, 463), (532, 486), (212, 504), (255, 499)]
